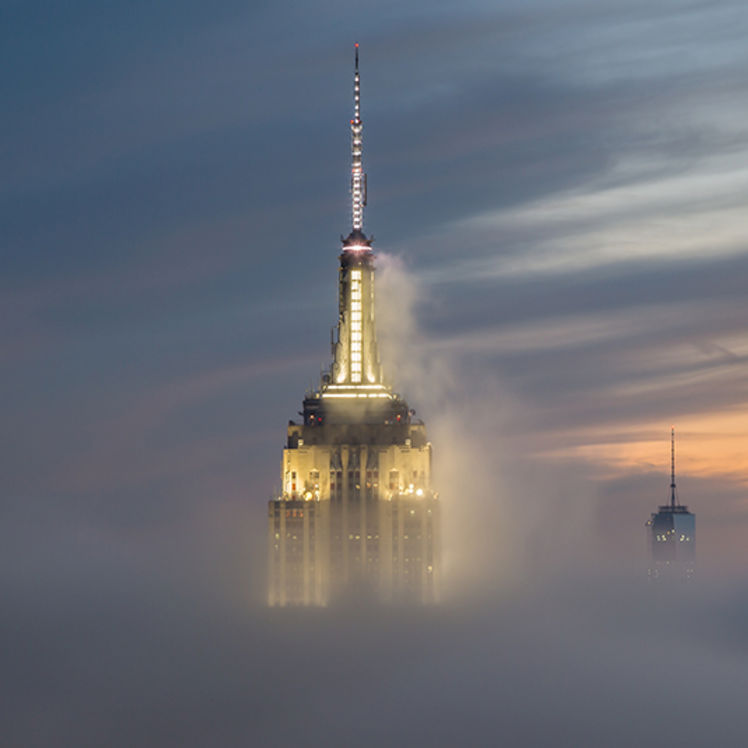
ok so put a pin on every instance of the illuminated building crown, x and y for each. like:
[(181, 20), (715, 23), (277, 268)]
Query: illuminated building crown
[(355, 376), (356, 371)]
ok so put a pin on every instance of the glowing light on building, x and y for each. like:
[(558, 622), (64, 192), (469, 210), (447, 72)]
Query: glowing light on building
[(356, 326)]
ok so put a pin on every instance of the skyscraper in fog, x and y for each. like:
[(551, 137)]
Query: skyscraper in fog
[(356, 511), (672, 534)]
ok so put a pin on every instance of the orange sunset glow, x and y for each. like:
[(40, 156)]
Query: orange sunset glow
[(708, 445)]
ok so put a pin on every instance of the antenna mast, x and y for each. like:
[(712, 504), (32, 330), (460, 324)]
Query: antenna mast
[(672, 467), (358, 178)]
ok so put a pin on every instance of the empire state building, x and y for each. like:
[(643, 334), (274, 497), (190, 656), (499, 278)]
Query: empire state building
[(356, 513)]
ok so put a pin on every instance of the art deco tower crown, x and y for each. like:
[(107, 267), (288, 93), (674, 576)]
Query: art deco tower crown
[(355, 375), (355, 355)]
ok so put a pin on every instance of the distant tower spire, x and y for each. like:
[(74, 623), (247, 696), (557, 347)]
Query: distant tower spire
[(672, 466), (358, 178)]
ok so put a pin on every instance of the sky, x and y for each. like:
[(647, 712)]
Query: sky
[(557, 195)]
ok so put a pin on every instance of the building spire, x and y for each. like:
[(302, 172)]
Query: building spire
[(672, 466), (358, 178)]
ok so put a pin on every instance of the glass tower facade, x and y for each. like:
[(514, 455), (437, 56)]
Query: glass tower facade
[(672, 534)]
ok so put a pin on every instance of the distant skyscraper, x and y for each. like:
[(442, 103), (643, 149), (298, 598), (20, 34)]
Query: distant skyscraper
[(672, 534), (356, 510)]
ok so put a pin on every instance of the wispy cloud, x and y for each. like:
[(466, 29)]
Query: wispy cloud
[(697, 213)]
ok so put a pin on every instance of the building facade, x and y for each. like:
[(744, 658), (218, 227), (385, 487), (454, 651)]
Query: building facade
[(356, 512)]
